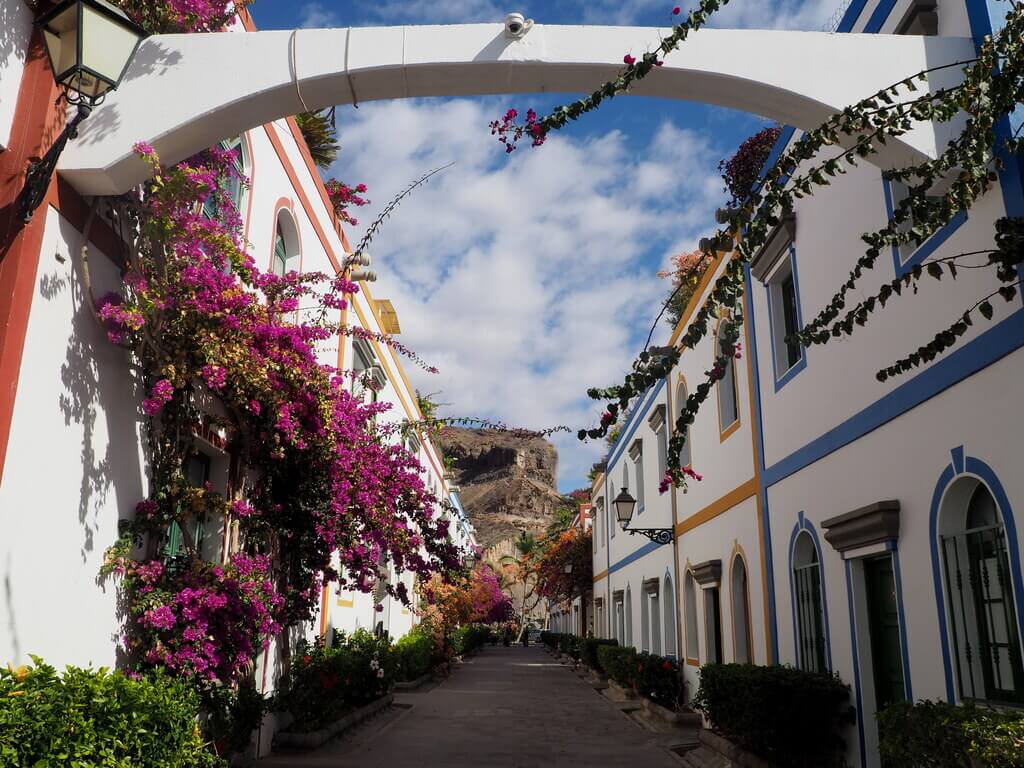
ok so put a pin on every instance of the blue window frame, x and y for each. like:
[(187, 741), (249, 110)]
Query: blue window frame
[(907, 256), (785, 318)]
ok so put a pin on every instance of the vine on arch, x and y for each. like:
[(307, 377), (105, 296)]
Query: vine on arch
[(992, 87)]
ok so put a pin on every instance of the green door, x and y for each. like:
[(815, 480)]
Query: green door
[(884, 628)]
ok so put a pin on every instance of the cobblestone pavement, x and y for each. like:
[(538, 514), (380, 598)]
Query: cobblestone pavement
[(504, 708)]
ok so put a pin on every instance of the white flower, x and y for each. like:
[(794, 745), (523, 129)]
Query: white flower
[(374, 664), (380, 673)]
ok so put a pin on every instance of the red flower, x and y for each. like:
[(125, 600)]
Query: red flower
[(628, 60), (666, 665), (676, 11), (306, 660)]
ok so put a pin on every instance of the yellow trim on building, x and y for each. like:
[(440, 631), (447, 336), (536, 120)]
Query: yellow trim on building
[(601, 575), (724, 504)]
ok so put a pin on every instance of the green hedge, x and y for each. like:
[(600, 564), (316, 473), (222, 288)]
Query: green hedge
[(656, 677), (619, 663), (468, 638), (99, 719), (659, 679), (934, 734), (551, 639), (569, 645), (790, 717), (323, 683), (588, 650), (414, 655)]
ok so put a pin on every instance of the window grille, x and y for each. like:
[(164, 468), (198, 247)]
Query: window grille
[(980, 595), (810, 615)]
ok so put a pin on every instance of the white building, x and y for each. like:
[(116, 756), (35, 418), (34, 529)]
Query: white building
[(72, 458), (861, 528)]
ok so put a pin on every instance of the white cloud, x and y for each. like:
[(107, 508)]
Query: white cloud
[(526, 279), (762, 14), (317, 15)]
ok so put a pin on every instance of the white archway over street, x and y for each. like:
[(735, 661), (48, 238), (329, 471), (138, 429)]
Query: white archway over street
[(209, 86)]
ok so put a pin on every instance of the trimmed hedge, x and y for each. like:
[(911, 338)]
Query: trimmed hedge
[(588, 650), (97, 718), (934, 734), (468, 638), (323, 683), (655, 677), (570, 646), (789, 717), (660, 679), (414, 655)]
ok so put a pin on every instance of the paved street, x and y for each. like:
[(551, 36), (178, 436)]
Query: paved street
[(506, 707)]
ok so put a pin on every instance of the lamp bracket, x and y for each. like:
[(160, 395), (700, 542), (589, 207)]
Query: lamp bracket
[(40, 171), (660, 536)]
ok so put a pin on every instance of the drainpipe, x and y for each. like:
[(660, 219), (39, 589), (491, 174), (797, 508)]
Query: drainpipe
[(676, 583)]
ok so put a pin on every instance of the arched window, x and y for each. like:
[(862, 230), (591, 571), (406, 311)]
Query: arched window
[(692, 644), (237, 185), (286, 244), (629, 617), (670, 617), (740, 611), (810, 614), (645, 628), (685, 456), (728, 399), (986, 641)]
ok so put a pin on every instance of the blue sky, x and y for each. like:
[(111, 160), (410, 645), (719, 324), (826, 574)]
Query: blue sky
[(527, 279)]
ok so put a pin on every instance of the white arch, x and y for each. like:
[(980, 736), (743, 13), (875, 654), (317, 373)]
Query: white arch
[(186, 92)]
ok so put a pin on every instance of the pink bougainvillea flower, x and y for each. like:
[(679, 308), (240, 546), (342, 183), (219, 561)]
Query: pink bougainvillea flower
[(628, 60)]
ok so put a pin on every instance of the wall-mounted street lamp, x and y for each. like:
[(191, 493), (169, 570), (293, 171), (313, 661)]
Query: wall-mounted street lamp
[(624, 505), (90, 44)]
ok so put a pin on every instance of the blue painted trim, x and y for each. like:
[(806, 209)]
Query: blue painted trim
[(1011, 176), (929, 246), (856, 661), (880, 16), (958, 459), (852, 14), (803, 524), (908, 689), (1002, 339), (631, 426), (933, 532), (646, 549), (759, 458), (801, 364), (977, 468)]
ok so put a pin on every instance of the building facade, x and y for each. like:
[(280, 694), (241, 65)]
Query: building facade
[(73, 461), (846, 525)]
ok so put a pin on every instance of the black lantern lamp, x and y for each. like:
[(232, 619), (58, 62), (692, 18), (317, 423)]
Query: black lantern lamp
[(624, 505), (90, 44)]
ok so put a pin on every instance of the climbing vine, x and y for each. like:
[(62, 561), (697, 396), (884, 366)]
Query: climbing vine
[(992, 87), (314, 471)]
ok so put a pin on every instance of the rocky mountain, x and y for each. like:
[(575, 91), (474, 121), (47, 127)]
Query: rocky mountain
[(507, 482)]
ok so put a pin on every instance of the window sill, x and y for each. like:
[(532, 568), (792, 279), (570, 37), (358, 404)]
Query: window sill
[(728, 431), (791, 374)]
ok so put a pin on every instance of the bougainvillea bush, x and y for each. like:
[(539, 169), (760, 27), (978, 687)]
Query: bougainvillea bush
[(315, 472), (163, 16), (573, 547), (476, 598), (685, 272)]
